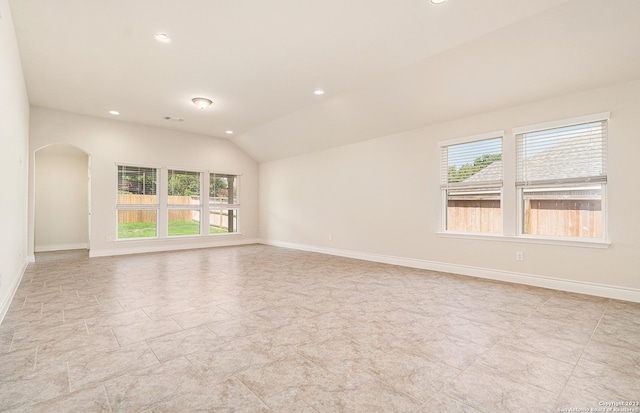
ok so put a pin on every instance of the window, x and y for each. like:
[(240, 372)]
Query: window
[(137, 203), (152, 206), (184, 203), (561, 179), (223, 203), (471, 183)]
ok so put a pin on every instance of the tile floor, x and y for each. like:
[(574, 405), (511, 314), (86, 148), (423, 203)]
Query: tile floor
[(265, 329)]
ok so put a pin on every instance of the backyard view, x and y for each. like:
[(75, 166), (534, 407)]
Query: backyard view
[(148, 229), (473, 182), (561, 177), (138, 207)]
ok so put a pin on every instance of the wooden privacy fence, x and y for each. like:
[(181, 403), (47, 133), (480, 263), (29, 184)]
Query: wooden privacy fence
[(220, 218), (563, 218), (217, 218), (560, 218), (474, 216), (150, 216)]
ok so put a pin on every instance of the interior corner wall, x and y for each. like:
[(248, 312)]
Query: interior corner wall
[(62, 199), (14, 143), (380, 199), (109, 142)]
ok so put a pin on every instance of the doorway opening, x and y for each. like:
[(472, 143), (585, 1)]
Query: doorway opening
[(62, 199)]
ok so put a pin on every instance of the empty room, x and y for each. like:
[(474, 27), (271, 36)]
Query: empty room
[(319, 206)]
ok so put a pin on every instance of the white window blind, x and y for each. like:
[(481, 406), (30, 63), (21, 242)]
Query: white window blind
[(138, 205), (476, 164), (136, 180), (564, 155)]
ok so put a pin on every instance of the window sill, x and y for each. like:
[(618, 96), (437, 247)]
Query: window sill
[(174, 237), (566, 242)]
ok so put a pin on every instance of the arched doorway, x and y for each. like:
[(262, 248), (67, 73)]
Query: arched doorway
[(62, 192)]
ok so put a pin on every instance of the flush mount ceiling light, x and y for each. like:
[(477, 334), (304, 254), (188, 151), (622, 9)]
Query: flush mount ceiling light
[(438, 1), (202, 103), (229, 132), (114, 112), (318, 92), (162, 37)]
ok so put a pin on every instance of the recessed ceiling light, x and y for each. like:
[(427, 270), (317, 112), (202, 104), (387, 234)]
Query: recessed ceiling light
[(438, 1), (162, 37), (318, 92), (202, 103), (229, 132), (114, 112)]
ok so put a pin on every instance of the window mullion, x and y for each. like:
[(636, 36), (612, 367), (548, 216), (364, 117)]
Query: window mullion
[(163, 195), (205, 215)]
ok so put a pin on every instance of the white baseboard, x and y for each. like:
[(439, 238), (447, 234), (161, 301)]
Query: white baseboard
[(6, 300), (61, 247), (601, 290), (132, 249)]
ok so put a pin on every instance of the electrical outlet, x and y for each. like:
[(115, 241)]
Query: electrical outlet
[(519, 256), (330, 237)]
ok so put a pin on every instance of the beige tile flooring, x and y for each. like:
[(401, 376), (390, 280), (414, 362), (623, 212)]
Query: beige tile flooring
[(265, 329)]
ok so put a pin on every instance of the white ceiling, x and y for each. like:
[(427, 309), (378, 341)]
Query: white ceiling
[(387, 66)]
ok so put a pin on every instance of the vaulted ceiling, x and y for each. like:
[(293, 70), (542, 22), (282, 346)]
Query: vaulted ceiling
[(386, 66)]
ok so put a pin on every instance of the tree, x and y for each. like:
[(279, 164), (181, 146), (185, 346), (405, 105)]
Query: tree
[(467, 170), (181, 184), (218, 187)]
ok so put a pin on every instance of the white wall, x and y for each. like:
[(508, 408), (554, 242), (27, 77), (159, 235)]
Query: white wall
[(380, 200), (14, 141), (61, 198), (110, 141)]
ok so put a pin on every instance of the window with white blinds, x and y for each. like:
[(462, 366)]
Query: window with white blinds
[(139, 182), (561, 176), (472, 164), (137, 203), (575, 153), (471, 181), (187, 208)]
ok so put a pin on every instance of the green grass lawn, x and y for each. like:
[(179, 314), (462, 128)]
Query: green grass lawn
[(148, 229), (136, 230), (184, 228), (216, 230)]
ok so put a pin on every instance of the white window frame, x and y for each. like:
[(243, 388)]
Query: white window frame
[(235, 206), (488, 185), (139, 207), (162, 206), (604, 240), (185, 207)]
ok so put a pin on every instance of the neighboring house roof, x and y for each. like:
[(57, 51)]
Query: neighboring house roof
[(493, 172), (566, 159)]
